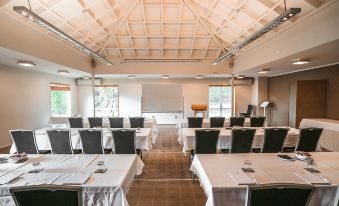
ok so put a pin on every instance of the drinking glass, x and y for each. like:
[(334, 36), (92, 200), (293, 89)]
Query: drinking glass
[(101, 166)]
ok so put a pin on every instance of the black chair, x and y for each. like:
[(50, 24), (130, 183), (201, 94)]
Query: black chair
[(124, 141), (195, 122), (237, 121), (308, 139), (75, 122), (24, 141), (43, 195), (60, 141), (250, 109), (137, 122), (116, 122), (95, 122), (274, 139), (279, 195), (257, 121), (206, 141), (242, 140), (217, 122), (91, 141)]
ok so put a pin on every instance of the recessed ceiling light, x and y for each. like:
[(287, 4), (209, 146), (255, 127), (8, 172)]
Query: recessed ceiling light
[(131, 76), (301, 61), (26, 63), (199, 77), (264, 71), (24, 13), (165, 76), (240, 77), (63, 72)]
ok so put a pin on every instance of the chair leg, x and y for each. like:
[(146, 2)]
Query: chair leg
[(192, 177)]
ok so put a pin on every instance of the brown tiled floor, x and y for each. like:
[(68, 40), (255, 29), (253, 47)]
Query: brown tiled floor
[(166, 179)]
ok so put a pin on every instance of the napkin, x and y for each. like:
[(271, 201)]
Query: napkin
[(312, 178), (241, 178), (74, 178)]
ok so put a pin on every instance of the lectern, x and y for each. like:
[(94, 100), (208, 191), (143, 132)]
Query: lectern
[(199, 109)]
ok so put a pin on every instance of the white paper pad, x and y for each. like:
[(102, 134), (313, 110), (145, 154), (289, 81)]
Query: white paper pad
[(311, 178), (9, 177), (39, 178), (74, 179), (241, 178)]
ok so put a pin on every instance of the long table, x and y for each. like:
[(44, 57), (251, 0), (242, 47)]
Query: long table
[(329, 138), (214, 172), (143, 139), (107, 188), (187, 138), (62, 122)]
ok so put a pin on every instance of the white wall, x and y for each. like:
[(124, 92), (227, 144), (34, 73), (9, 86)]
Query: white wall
[(195, 91), (25, 99)]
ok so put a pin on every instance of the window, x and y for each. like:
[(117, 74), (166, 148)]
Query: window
[(106, 101), (60, 100), (220, 101)]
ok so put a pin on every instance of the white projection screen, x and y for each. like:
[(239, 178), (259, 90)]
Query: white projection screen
[(162, 98)]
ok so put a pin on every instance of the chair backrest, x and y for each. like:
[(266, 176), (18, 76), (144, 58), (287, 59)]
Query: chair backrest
[(91, 141), (279, 195), (308, 139), (95, 122), (47, 195), (194, 122), (242, 140), (124, 141), (206, 141), (24, 141), (237, 121), (137, 122), (75, 122), (257, 121), (217, 121), (274, 139), (250, 109), (60, 141), (116, 122)]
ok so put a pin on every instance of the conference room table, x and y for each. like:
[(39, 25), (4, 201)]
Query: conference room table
[(223, 180), (109, 188), (329, 138), (62, 122), (143, 139), (187, 138)]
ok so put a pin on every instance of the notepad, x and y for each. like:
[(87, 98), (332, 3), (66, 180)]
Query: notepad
[(312, 178), (241, 178), (75, 178), (9, 178)]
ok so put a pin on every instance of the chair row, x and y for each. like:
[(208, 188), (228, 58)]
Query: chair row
[(91, 139), (115, 122), (196, 122), (206, 140)]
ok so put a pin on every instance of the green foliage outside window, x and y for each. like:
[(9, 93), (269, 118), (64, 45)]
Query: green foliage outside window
[(60, 103)]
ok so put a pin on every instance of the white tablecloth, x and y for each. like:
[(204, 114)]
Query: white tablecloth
[(108, 188), (62, 122), (187, 138), (213, 172), (183, 123), (143, 139), (329, 139)]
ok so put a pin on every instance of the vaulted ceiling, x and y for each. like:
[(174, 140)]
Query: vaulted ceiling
[(160, 29)]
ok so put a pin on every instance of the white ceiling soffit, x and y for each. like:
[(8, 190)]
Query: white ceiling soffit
[(10, 57), (160, 29)]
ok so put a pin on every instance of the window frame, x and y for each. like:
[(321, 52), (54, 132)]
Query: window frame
[(209, 106), (60, 87), (118, 101)]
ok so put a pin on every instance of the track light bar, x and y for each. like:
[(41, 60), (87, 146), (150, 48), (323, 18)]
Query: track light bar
[(49, 27), (272, 25)]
